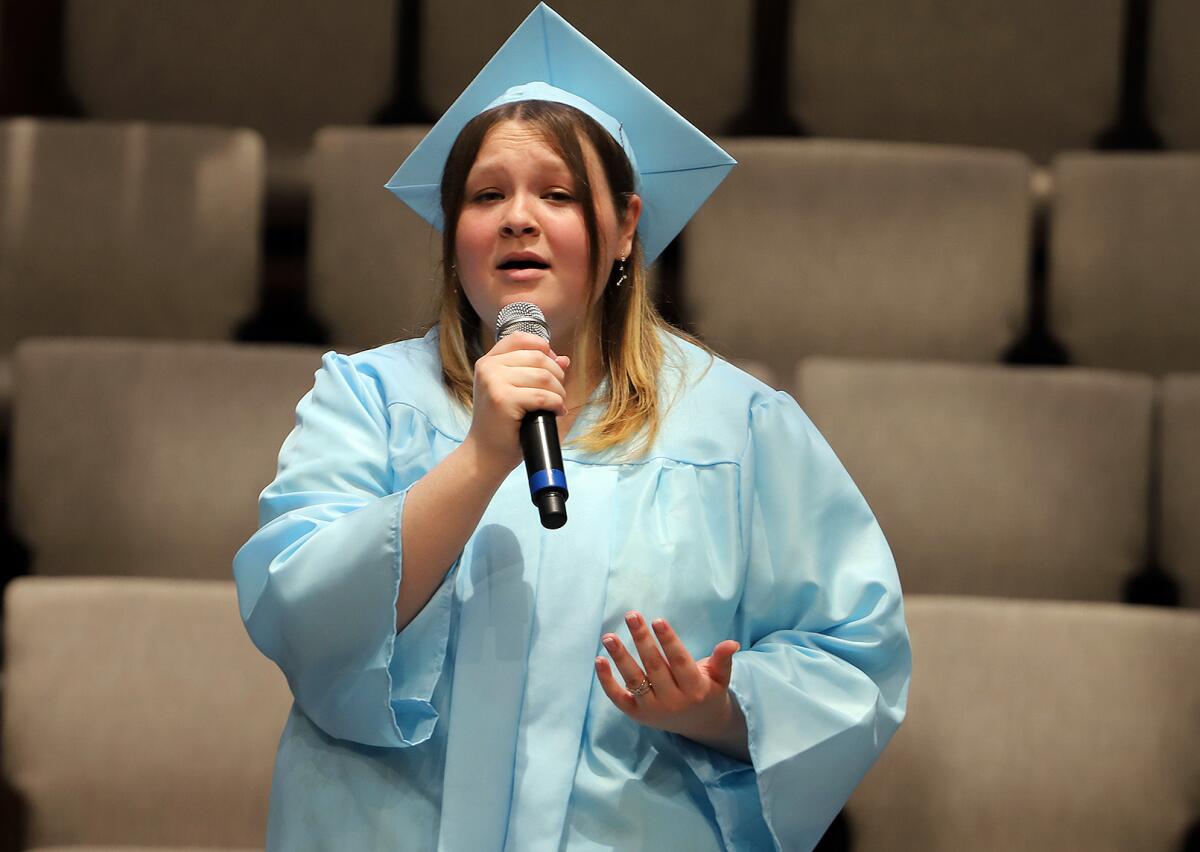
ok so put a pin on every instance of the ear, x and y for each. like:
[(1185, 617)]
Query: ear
[(633, 213)]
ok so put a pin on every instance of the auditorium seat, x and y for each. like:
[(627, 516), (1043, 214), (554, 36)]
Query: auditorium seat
[(863, 249), (283, 67), (146, 458), (1124, 258), (1174, 72), (1179, 481), (1038, 77), (1040, 726), (991, 480), (137, 715), (693, 55), (126, 229), (374, 263)]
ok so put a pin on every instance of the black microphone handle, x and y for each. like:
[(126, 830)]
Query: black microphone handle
[(544, 467)]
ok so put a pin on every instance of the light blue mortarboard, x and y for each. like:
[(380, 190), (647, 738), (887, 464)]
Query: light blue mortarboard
[(677, 167)]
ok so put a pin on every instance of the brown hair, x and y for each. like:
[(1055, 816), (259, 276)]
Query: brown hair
[(624, 323)]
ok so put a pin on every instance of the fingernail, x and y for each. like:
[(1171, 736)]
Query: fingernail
[(660, 624), (610, 643), (632, 617)]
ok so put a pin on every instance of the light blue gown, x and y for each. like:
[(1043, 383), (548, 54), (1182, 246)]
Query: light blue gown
[(482, 725)]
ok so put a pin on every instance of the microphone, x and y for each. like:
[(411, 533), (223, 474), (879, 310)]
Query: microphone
[(539, 429)]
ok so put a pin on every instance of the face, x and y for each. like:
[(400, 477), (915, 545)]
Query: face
[(522, 237)]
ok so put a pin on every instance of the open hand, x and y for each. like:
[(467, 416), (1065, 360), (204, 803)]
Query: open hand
[(686, 697)]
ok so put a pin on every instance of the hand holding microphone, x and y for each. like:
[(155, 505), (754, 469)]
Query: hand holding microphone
[(518, 395)]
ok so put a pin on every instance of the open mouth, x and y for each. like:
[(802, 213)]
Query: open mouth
[(523, 264)]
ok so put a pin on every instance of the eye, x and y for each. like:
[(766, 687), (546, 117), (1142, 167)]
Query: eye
[(486, 195), (560, 195)]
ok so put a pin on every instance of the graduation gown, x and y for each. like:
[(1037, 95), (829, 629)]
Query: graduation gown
[(482, 725)]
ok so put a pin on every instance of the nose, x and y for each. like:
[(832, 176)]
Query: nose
[(518, 218)]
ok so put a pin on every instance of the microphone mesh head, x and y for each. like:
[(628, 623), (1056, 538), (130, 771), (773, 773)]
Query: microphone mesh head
[(521, 316)]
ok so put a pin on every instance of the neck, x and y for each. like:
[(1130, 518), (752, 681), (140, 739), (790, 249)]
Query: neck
[(582, 378), (580, 383)]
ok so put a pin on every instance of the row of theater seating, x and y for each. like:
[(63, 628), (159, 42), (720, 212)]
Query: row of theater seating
[(809, 248), (145, 458), (1032, 725), (1038, 77), (135, 708)]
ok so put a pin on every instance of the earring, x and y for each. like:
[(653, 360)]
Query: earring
[(621, 269)]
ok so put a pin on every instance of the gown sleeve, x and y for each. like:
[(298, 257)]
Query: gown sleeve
[(823, 674), (317, 584)]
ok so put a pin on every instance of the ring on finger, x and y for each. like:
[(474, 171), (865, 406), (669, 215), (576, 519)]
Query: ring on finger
[(642, 688)]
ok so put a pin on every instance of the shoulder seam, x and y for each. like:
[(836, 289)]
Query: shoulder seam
[(762, 403), (654, 458)]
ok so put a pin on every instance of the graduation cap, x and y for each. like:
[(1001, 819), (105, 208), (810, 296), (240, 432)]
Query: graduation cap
[(676, 167)]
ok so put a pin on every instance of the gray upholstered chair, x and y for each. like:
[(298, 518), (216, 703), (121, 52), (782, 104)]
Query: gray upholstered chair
[(1174, 72), (137, 715), (994, 480), (1179, 483), (146, 458), (283, 67), (1040, 726), (374, 263), (1037, 77), (1124, 260), (126, 229), (877, 250), (694, 55)]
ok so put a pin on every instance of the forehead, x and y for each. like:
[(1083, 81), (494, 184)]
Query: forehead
[(511, 143)]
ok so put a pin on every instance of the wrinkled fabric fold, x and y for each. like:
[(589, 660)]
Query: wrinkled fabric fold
[(823, 675), (318, 583), (568, 618)]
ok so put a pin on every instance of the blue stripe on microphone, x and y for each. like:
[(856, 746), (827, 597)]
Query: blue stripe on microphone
[(553, 478)]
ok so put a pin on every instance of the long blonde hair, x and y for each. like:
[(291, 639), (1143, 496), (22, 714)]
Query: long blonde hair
[(623, 324)]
